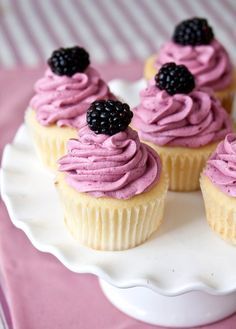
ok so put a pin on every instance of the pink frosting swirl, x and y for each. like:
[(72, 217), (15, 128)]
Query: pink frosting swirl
[(221, 167), (191, 120), (117, 166), (210, 64), (64, 100)]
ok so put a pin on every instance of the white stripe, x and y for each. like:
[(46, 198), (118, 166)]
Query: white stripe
[(84, 32), (6, 57), (118, 50), (147, 27), (57, 25), (24, 47), (139, 45), (40, 34)]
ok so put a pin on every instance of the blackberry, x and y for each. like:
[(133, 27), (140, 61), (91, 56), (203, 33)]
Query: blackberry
[(175, 79), (108, 117), (68, 61), (194, 32)]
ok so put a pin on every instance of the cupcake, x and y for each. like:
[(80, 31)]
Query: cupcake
[(111, 185), (62, 97), (193, 44), (182, 123), (218, 185)]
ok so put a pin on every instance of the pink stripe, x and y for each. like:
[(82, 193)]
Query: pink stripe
[(26, 28), (136, 26), (41, 16), (94, 29), (161, 30), (7, 35), (119, 32)]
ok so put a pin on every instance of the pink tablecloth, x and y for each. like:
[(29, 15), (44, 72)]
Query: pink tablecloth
[(41, 292)]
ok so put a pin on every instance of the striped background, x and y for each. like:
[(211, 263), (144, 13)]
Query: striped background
[(112, 30)]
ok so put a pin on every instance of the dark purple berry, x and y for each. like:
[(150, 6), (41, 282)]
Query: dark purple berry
[(193, 32), (175, 79), (108, 117), (68, 61)]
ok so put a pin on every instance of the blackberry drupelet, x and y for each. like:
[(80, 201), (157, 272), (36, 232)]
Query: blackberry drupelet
[(175, 79), (108, 117), (68, 61), (194, 32)]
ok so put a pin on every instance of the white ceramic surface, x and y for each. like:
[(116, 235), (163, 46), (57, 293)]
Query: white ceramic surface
[(192, 309)]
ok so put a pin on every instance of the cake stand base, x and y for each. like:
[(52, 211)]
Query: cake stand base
[(187, 310)]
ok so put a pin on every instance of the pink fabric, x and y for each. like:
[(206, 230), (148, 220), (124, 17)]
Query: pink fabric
[(42, 293)]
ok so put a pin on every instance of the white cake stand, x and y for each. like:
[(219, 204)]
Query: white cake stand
[(183, 276)]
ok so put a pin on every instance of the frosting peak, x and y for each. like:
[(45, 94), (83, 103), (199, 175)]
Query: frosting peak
[(221, 167), (191, 120), (64, 100), (118, 166), (210, 64)]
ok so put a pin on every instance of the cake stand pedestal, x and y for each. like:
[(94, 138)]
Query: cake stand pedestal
[(191, 309)]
